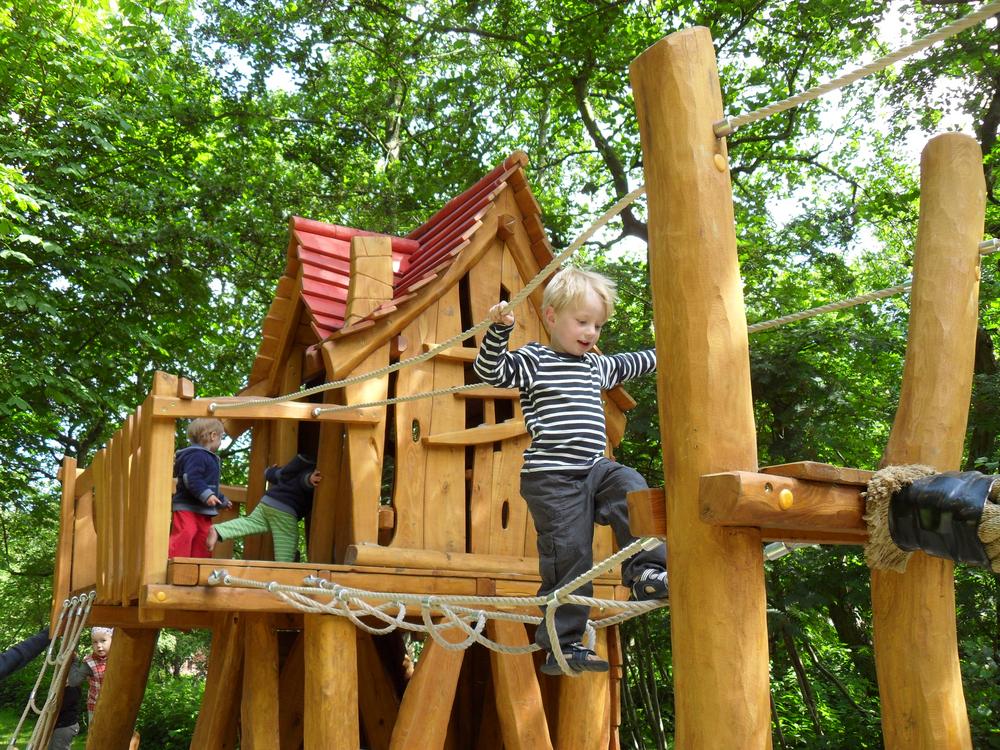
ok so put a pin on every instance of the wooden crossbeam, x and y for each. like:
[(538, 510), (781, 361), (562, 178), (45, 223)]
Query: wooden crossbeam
[(488, 433), (800, 502), (176, 408)]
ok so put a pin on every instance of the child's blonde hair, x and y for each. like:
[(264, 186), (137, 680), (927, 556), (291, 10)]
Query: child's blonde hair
[(199, 429), (571, 285)]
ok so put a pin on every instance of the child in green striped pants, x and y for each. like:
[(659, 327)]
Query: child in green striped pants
[(289, 497)]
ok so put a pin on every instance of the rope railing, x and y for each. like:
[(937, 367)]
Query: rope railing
[(353, 603), (517, 299), (728, 125), (986, 247)]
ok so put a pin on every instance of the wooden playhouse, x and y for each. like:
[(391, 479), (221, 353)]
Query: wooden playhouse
[(418, 497)]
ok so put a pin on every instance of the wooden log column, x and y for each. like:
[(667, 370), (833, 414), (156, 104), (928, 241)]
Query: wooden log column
[(124, 685), (331, 694), (717, 597), (916, 654)]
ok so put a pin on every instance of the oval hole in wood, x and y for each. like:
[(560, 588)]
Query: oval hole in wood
[(504, 514)]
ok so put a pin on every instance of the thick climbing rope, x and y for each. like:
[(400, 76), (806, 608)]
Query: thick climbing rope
[(71, 623), (466, 613), (985, 248), (517, 299), (728, 125)]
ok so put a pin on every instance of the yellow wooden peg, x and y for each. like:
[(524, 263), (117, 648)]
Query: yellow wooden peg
[(720, 162), (785, 499)]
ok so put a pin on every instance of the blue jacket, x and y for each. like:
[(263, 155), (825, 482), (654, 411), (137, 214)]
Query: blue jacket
[(289, 488), (197, 471)]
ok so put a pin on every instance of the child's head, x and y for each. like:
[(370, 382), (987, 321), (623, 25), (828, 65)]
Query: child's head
[(100, 640), (206, 432), (575, 306), (571, 286)]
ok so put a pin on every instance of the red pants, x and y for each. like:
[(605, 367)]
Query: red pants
[(188, 532)]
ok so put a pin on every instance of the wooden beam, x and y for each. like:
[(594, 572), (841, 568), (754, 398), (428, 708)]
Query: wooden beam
[(457, 353), (744, 498), (175, 408), (377, 697), (429, 559), (124, 685), (62, 576), (488, 433), (517, 694), (259, 708), (922, 701), (717, 595), (216, 725), (331, 692), (427, 703)]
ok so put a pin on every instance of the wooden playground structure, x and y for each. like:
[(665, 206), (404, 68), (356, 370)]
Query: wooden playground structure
[(453, 522)]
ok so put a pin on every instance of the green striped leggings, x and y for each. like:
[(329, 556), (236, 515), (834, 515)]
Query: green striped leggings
[(284, 528)]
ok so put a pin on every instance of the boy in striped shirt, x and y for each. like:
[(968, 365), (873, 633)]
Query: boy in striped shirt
[(567, 480)]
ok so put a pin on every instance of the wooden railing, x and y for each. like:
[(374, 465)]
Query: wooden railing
[(115, 517)]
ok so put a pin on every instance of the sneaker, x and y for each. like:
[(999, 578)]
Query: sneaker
[(652, 584), (580, 659)]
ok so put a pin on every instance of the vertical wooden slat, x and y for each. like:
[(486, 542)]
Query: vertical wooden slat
[(427, 702), (329, 460), (101, 508), (220, 705), (922, 701), (411, 454), (259, 708), (133, 514), (260, 459), (84, 569), (717, 596), (331, 692), (124, 685), (158, 443), (119, 499), (518, 697), (62, 574)]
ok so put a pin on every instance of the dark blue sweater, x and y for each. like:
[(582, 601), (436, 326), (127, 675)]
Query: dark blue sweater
[(197, 471), (289, 488)]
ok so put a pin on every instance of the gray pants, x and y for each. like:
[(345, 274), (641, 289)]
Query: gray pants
[(62, 737), (565, 506)]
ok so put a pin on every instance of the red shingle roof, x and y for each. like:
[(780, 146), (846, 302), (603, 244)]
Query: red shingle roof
[(323, 253)]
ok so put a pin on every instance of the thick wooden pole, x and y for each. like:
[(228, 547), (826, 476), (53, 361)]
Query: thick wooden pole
[(717, 599), (260, 685), (331, 694), (124, 685), (220, 705), (916, 654)]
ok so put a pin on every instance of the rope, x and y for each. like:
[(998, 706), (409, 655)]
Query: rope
[(72, 620), (398, 399), (727, 126), (517, 299), (470, 620), (986, 247)]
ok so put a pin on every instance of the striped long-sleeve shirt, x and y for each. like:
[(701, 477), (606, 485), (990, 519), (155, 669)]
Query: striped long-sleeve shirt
[(560, 396)]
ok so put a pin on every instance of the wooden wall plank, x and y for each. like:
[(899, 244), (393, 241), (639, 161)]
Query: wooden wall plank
[(63, 571)]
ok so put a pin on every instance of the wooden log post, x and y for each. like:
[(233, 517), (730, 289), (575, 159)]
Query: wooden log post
[(331, 695), (717, 597), (583, 718), (124, 685), (260, 685), (216, 726), (914, 612), (517, 694)]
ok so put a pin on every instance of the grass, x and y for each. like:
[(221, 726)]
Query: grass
[(8, 723)]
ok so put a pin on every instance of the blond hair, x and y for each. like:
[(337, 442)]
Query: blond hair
[(199, 429), (570, 286)]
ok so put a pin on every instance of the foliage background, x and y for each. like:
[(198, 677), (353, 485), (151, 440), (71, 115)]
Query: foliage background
[(151, 152)]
